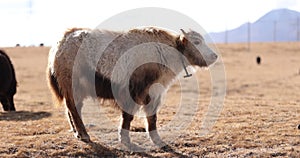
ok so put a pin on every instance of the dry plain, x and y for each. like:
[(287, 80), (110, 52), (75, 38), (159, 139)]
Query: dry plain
[(259, 117)]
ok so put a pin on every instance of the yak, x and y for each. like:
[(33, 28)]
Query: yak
[(82, 53), (8, 82)]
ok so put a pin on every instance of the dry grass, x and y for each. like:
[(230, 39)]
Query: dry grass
[(259, 118)]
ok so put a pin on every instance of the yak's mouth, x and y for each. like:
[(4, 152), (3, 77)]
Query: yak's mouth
[(205, 63), (212, 60), (212, 63), (201, 63)]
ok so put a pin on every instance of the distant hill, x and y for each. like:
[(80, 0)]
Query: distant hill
[(277, 25)]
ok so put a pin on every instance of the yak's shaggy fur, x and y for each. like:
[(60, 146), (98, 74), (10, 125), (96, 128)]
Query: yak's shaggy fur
[(85, 63), (8, 83)]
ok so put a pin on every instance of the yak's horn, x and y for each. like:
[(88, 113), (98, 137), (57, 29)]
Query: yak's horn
[(184, 33)]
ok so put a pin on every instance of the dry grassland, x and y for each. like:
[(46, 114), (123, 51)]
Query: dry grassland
[(259, 117)]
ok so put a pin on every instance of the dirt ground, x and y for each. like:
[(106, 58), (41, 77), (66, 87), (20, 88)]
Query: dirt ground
[(259, 117)]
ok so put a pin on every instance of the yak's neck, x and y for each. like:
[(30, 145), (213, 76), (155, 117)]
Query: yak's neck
[(168, 41)]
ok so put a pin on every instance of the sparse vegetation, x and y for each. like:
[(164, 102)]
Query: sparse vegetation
[(259, 118)]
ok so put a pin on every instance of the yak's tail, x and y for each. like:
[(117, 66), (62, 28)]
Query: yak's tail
[(57, 96)]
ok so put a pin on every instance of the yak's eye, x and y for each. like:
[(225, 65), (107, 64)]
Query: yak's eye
[(196, 42)]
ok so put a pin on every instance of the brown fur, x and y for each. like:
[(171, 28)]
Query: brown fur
[(63, 72), (72, 30), (55, 88)]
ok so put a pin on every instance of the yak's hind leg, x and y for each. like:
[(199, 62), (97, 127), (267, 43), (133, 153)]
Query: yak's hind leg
[(11, 103), (79, 105), (8, 103), (5, 103), (76, 122), (150, 111), (70, 120)]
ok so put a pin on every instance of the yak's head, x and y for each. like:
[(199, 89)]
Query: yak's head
[(194, 48)]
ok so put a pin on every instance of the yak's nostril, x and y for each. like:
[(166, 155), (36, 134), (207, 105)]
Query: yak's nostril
[(215, 56)]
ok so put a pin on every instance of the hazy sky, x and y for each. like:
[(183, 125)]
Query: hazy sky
[(30, 22)]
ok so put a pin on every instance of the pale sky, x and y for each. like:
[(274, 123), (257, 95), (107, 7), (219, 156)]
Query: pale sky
[(31, 22)]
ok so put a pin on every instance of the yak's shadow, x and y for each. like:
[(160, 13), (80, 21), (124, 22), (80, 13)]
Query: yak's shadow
[(99, 149), (171, 150), (23, 115)]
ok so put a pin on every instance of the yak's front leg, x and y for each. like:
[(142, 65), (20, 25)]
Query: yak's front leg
[(150, 111), (125, 127), (152, 129), (124, 132)]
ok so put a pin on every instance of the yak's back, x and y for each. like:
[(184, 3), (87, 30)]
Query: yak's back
[(131, 48), (7, 77), (100, 50)]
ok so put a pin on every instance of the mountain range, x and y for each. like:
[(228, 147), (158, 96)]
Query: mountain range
[(276, 26)]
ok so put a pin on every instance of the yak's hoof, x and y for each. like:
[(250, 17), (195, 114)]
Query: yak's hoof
[(72, 131), (128, 145), (12, 109), (84, 137), (131, 147), (156, 139), (159, 143), (125, 142)]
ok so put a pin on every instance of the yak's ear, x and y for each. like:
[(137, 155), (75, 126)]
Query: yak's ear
[(184, 41), (181, 43)]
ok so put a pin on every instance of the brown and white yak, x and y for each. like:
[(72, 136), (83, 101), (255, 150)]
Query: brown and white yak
[(84, 63)]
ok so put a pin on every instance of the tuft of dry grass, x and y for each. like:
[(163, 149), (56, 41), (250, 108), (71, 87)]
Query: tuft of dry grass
[(259, 117)]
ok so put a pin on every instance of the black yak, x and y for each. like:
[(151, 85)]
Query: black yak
[(8, 82), (258, 60)]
